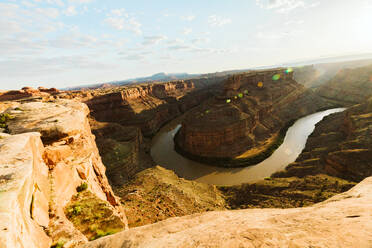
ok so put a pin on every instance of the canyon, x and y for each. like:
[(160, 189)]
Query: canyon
[(76, 165), (235, 128)]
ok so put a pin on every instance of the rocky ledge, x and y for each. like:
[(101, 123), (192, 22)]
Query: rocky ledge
[(342, 221)]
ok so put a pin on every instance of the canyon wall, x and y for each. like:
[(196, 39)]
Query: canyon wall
[(340, 146), (249, 114), (58, 159), (348, 86), (149, 106)]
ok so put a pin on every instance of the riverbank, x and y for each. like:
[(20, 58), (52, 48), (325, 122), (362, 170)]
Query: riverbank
[(164, 154)]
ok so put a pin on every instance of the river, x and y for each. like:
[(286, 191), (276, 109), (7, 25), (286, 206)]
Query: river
[(163, 153)]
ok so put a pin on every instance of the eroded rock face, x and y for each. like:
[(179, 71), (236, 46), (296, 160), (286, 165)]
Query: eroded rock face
[(248, 115), (340, 146), (147, 106), (24, 192), (71, 158), (121, 149), (349, 86), (27, 92)]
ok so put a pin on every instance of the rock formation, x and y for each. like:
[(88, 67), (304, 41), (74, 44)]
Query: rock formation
[(249, 115), (122, 150), (148, 106), (156, 194), (340, 146), (342, 221), (27, 92), (348, 86), (49, 153)]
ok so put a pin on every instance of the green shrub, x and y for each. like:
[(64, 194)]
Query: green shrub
[(82, 187), (59, 244)]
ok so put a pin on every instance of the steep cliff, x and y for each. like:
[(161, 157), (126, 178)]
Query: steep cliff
[(348, 86), (122, 149), (148, 106), (235, 128), (58, 164)]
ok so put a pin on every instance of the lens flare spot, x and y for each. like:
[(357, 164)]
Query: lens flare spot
[(207, 111), (228, 100), (289, 70), (240, 95), (246, 92), (235, 97), (260, 84), (276, 77)]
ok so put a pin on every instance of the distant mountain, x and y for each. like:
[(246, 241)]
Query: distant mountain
[(158, 77), (324, 68)]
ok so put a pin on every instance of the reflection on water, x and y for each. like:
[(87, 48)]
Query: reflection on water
[(163, 153)]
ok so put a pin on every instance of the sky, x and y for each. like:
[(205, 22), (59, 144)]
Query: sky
[(61, 43)]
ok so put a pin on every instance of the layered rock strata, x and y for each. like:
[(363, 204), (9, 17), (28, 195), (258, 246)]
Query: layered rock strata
[(348, 86), (249, 115), (149, 106), (340, 146)]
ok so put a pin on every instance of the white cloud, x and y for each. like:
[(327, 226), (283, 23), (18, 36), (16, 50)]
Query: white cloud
[(28, 4), (294, 22), (188, 18), (217, 21), (134, 57), (121, 20), (153, 40), (80, 1), (49, 12), (52, 2), (119, 12), (187, 31), (278, 35), (285, 6), (70, 11), (200, 40)]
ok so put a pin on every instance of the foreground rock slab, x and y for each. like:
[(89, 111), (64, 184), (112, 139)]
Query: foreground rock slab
[(342, 221)]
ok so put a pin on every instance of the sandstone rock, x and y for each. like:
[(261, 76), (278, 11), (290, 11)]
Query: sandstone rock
[(342, 221), (348, 86), (71, 157), (28, 92), (24, 192)]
